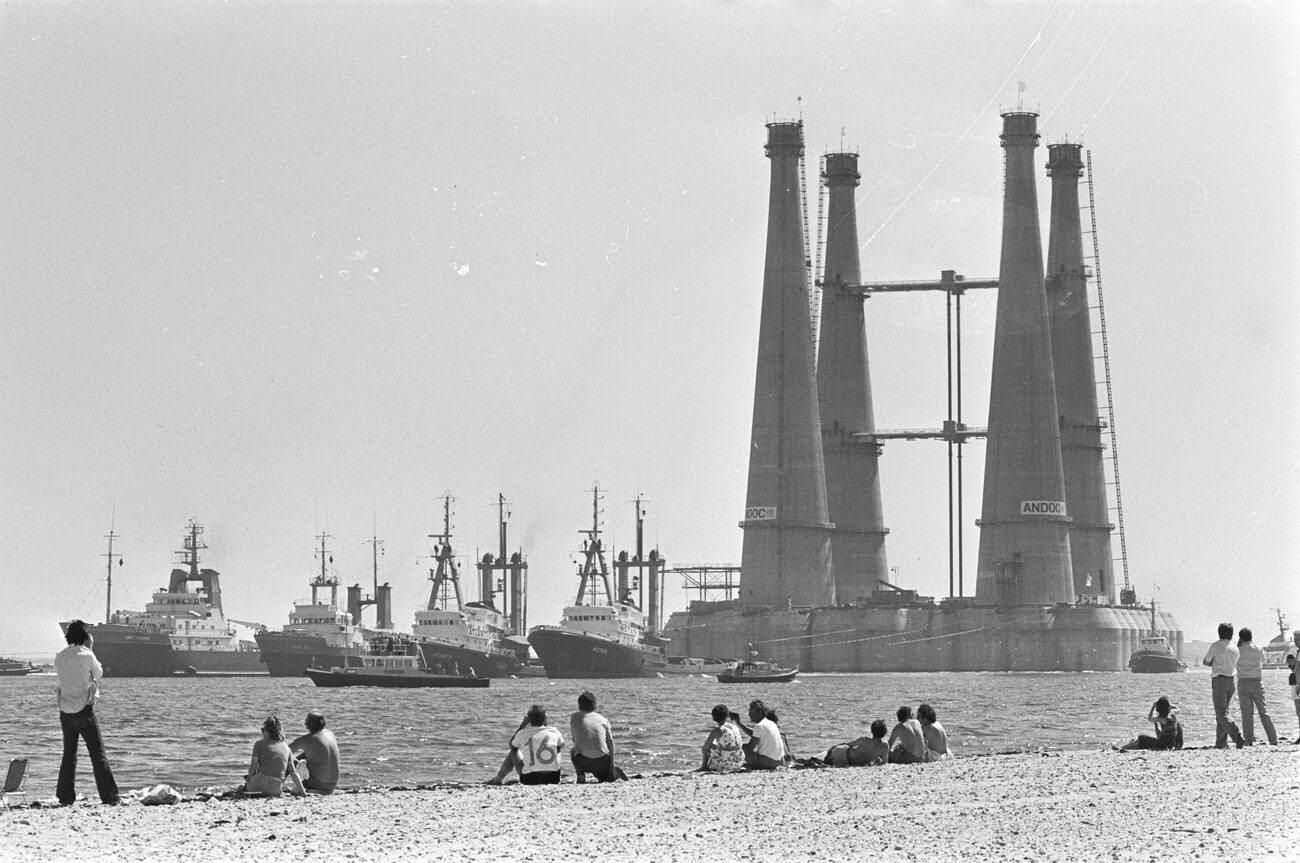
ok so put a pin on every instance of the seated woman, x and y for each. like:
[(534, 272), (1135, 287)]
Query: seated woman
[(936, 739), (1169, 731), (907, 740), (765, 749), (272, 763), (868, 751), (722, 751), (534, 751)]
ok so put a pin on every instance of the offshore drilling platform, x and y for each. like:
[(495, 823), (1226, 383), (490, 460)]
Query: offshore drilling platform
[(813, 588)]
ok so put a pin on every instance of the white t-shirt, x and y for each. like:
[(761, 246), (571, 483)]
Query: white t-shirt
[(539, 747), (78, 669), (768, 740)]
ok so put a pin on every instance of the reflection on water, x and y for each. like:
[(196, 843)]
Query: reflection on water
[(195, 732)]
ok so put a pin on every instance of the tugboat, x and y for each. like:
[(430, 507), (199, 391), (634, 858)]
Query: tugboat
[(470, 634), (16, 667), (1154, 655), (391, 662), (754, 670), (181, 631), (319, 634), (602, 639)]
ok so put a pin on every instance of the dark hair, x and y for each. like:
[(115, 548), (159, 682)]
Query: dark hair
[(1244, 634), (1162, 706), (904, 713), (878, 729), (771, 714), (537, 715), (1225, 630), (720, 713), (315, 720), (271, 728), (757, 706), (586, 702), (925, 713), (76, 632)]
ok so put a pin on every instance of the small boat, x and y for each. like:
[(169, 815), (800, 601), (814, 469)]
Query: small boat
[(1154, 655), (395, 663), (694, 665), (16, 667), (754, 670)]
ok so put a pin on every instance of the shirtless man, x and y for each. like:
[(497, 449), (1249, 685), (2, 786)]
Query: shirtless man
[(870, 751), (320, 750), (907, 740)]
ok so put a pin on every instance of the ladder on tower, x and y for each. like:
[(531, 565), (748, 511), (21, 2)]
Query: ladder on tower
[(1115, 502), (811, 283)]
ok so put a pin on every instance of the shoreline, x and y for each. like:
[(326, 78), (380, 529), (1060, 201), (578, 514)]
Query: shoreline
[(1047, 805)]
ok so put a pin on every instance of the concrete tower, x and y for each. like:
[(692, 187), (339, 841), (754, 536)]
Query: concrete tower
[(1076, 384), (1024, 556), (786, 557), (844, 390)]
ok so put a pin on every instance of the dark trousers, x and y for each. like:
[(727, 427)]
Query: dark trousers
[(549, 777), (82, 725), (602, 768), (1222, 689)]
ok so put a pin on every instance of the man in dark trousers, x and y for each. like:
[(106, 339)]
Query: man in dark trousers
[(79, 673), (1222, 660)]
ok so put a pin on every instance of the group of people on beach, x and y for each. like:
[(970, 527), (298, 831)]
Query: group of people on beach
[(1234, 669)]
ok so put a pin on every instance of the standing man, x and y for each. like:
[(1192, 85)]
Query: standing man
[(1293, 662), (79, 672), (593, 742), (1250, 683), (1222, 660), (319, 748)]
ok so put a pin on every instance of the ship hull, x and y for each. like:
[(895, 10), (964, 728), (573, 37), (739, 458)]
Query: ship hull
[(923, 636), (290, 654), (132, 651), (393, 680), (453, 657), (1148, 662), (568, 655)]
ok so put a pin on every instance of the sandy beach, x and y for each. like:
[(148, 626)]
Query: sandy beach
[(1199, 804)]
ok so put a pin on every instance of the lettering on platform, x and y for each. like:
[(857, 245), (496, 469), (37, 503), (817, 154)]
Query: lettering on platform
[(760, 513), (1042, 507)]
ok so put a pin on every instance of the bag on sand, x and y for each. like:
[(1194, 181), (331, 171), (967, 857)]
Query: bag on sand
[(160, 795)]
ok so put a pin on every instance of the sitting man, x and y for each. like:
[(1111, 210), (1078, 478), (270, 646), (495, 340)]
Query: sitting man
[(907, 740), (542, 743), (593, 742), (870, 751), (765, 749), (320, 750)]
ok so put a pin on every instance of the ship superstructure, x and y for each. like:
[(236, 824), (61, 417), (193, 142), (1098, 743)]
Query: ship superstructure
[(457, 636), (183, 627), (319, 634)]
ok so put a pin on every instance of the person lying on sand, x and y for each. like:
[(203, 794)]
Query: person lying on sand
[(907, 740), (272, 763), (868, 751), (1169, 731)]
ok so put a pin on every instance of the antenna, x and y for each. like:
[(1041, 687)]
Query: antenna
[(1020, 95)]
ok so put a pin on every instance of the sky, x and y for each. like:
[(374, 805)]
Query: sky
[(293, 268)]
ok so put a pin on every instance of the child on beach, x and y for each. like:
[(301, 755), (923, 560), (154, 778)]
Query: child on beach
[(1169, 731), (722, 752)]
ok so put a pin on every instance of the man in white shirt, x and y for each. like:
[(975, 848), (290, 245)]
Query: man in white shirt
[(766, 748), (1222, 660), (534, 751), (1250, 688), (79, 673)]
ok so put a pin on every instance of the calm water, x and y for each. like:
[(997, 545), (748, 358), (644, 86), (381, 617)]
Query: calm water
[(193, 733)]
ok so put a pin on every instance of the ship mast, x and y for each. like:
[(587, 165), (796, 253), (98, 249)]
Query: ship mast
[(324, 580), (594, 556), (108, 596), (446, 577)]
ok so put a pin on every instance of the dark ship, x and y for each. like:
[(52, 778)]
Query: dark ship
[(606, 638), (181, 630)]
